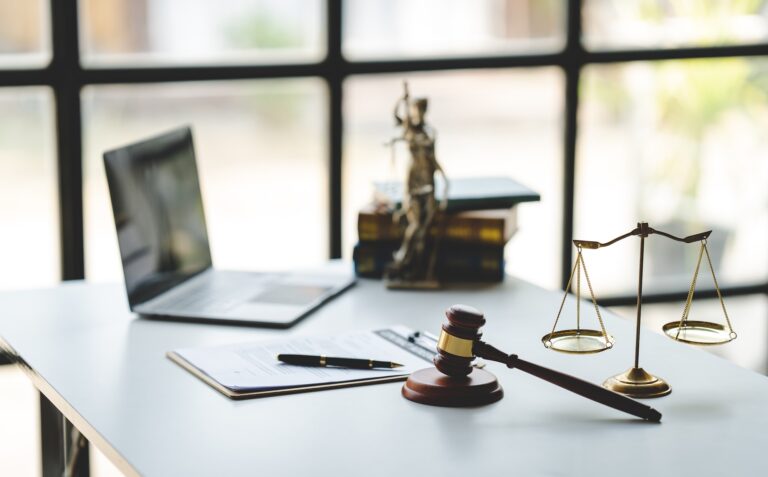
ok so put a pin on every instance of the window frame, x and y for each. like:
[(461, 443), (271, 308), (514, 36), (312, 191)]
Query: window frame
[(67, 77)]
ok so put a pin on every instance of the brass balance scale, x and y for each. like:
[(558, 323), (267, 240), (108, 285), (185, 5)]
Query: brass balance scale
[(636, 382)]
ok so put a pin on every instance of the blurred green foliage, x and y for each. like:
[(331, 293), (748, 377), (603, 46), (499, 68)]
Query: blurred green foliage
[(711, 15), (688, 100), (259, 30)]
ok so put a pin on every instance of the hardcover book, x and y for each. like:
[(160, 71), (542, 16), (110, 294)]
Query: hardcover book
[(491, 227), (455, 262)]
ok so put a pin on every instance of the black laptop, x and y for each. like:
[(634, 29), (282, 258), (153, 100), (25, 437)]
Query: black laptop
[(161, 230)]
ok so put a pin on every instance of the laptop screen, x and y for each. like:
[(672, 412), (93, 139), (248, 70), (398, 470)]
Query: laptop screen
[(158, 212)]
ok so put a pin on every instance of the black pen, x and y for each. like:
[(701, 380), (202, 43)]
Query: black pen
[(355, 363)]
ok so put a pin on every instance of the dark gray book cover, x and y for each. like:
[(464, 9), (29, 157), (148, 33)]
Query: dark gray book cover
[(474, 193)]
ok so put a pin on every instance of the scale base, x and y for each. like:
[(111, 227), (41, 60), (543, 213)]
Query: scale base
[(637, 383), (430, 386)]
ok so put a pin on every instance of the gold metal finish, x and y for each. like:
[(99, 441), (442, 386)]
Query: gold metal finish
[(323, 361), (638, 383), (587, 244), (393, 284), (370, 363), (414, 262), (455, 346), (701, 332), (578, 340)]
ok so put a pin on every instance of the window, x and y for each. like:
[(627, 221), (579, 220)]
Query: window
[(263, 190), (29, 241), (174, 32), (377, 29), (680, 144), (626, 24), (616, 111), (24, 34)]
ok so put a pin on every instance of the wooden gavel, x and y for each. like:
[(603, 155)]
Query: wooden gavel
[(459, 344)]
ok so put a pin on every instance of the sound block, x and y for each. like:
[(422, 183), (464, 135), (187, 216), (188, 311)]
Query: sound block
[(430, 386)]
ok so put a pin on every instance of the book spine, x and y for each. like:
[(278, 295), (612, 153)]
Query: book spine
[(371, 259), (481, 230), (374, 227), (471, 230), (454, 263)]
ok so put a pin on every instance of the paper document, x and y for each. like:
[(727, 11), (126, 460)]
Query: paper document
[(253, 367)]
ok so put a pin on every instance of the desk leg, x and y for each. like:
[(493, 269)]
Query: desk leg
[(64, 449)]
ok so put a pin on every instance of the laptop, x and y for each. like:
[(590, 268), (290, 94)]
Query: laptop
[(161, 231)]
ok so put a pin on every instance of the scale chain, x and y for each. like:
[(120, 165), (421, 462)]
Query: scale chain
[(732, 333), (565, 295), (578, 294), (691, 290), (594, 302), (580, 263)]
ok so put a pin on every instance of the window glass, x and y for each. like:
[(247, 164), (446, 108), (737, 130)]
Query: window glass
[(681, 145), (163, 32), (748, 317), (24, 33), (488, 122), (262, 158), (614, 24), (419, 28), (29, 241)]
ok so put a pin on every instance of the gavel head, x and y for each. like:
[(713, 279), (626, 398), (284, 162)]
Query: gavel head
[(457, 338)]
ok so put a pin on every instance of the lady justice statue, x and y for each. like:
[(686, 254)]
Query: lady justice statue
[(414, 263)]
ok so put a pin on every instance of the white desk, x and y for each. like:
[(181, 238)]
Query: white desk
[(106, 371)]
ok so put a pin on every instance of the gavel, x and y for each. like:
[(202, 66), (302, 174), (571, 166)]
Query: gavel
[(459, 344)]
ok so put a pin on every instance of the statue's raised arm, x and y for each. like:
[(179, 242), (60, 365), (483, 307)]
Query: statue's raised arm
[(403, 101)]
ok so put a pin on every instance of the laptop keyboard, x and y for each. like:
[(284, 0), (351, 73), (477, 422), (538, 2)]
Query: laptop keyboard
[(218, 292), (206, 301)]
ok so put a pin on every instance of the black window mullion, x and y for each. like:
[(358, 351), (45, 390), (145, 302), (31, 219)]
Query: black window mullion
[(64, 70), (334, 72), (685, 53), (37, 77), (574, 57), (179, 74)]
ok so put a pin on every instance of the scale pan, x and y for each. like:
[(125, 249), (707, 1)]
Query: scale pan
[(577, 341), (699, 332)]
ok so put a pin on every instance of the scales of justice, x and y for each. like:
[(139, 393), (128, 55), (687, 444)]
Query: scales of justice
[(636, 382)]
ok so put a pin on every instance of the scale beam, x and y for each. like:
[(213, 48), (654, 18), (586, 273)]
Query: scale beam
[(642, 230)]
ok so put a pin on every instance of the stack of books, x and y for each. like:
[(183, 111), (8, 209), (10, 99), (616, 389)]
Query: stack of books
[(470, 235)]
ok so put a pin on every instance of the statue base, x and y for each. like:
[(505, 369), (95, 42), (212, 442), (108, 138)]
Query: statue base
[(430, 386)]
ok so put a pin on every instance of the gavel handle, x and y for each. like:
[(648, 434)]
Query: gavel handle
[(571, 383)]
